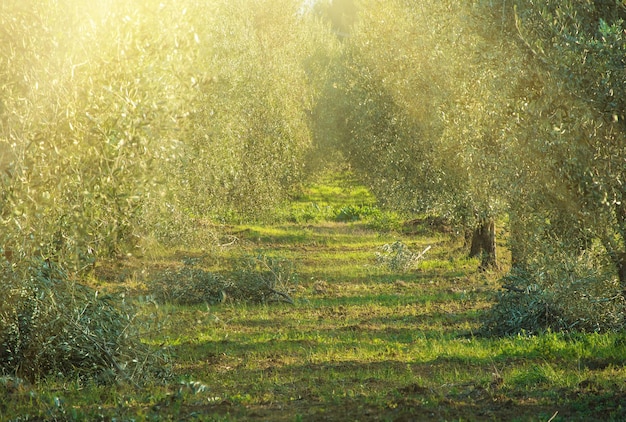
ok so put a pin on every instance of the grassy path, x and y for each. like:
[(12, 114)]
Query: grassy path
[(361, 342), (366, 343)]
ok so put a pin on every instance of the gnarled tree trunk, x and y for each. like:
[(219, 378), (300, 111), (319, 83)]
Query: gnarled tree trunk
[(484, 243)]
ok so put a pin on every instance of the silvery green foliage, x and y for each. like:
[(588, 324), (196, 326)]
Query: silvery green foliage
[(254, 279), (557, 291), (398, 257), (50, 325), (567, 195), (189, 285)]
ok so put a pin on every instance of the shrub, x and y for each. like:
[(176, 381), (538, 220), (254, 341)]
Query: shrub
[(189, 285), (51, 325), (557, 292), (253, 279)]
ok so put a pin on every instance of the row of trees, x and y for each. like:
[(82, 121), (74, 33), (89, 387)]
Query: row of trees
[(143, 119), (132, 119), (410, 106), (481, 110), (126, 121)]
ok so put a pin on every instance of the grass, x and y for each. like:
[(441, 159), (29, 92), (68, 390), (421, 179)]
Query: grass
[(361, 342), (338, 198)]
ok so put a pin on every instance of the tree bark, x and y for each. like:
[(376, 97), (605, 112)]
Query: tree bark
[(517, 241), (621, 272), (620, 258), (484, 244)]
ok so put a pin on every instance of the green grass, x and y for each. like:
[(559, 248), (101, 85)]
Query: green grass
[(361, 342), (338, 197)]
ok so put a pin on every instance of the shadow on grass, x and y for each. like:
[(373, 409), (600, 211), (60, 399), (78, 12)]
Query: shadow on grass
[(396, 390), (330, 234)]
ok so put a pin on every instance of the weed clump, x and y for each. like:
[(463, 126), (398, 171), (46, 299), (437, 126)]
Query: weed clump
[(251, 279), (350, 213), (51, 325)]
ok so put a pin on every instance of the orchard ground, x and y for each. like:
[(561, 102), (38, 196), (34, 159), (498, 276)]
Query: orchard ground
[(360, 342)]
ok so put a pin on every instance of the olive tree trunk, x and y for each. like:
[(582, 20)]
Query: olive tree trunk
[(484, 243), (617, 254)]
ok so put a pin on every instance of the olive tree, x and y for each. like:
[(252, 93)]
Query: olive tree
[(567, 147), (119, 119), (579, 48), (81, 123)]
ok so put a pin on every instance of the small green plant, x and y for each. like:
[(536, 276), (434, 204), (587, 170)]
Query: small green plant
[(309, 213), (398, 257), (384, 221), (350, 213)]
